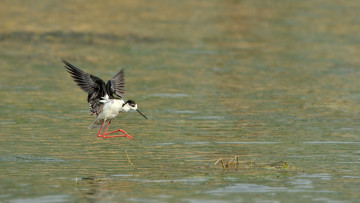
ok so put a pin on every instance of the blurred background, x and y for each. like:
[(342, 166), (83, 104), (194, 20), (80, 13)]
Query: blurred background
[(248, 101)]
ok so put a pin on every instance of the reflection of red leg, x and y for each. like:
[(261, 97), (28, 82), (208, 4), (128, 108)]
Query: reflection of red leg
[(105, 133)]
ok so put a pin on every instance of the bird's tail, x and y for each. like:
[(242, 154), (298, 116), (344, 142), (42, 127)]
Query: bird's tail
[(96, 124)]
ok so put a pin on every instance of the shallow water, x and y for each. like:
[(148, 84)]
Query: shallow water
[(269, 88)]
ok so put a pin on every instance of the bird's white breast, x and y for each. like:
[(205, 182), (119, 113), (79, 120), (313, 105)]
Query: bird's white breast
[(111, 109)]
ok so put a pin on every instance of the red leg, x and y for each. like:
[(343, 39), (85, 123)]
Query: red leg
[(105, 133), (99, 133), (107, 128)]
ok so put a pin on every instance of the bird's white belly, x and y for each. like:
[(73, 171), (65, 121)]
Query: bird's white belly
[(111, 109)]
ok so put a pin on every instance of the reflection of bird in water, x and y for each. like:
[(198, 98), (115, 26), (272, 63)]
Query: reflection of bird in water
[(104, 99)]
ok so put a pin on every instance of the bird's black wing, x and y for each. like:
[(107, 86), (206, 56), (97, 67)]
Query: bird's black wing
[(93, 85), (116, 85), (86, 81)]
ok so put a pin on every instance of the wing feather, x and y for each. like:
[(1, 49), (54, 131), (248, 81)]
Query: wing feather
[(117, 85), (93, 85), (85, 81)]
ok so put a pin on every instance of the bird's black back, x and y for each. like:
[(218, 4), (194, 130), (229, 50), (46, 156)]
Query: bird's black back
[(94, 98)]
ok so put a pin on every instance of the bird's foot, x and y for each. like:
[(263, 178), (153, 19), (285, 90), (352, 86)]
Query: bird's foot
[(126, 135), (120, 130)]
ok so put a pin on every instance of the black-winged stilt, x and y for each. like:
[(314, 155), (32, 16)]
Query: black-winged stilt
[(105, 100)]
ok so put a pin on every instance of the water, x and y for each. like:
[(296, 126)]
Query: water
[(270, 88)]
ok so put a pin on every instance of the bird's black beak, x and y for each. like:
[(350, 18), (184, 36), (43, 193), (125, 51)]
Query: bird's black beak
[(141, 113)]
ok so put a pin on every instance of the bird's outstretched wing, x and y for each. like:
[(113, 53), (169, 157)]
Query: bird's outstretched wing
[(116, 85), (93, 85), (86, 81)]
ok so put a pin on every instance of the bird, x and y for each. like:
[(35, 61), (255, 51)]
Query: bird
[(105, 100)]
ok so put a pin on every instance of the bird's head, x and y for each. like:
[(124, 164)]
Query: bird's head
[(131, 105)]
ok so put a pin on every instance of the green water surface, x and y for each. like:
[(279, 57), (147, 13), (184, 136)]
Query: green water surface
[(268, 88)]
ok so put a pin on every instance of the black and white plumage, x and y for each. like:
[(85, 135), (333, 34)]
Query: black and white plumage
[(96, 88), (105, 100)]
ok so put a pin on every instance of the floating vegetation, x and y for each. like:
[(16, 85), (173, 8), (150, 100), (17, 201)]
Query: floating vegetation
[(234, 164), (231, 164), (280, 165)]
